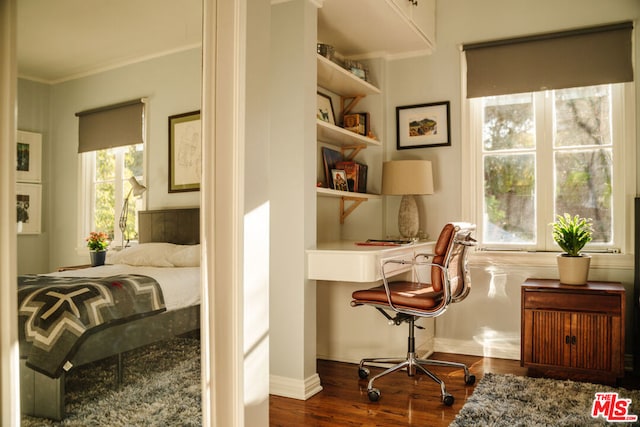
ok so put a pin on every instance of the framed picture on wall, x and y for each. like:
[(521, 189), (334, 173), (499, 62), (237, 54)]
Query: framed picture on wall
[(185, 152), (29, 207), (423, 125), (29, 159)]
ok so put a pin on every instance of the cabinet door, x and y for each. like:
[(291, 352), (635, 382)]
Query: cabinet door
[(545, 336), (593, 343), (423, 15)]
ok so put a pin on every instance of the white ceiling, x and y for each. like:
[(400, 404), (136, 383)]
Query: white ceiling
[(63, 39)]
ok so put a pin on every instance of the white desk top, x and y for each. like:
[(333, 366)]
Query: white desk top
[(347, 262)]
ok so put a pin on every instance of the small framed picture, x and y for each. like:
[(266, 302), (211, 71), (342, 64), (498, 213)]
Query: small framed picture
[(29, 160), (339, 180), (423, 125), (185, 152), (29, 206), (325, 109)]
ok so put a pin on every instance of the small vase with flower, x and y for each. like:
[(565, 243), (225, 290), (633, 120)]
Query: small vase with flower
[(97, 242)]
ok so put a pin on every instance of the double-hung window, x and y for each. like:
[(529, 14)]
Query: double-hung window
[(533, 153), (111, 152)]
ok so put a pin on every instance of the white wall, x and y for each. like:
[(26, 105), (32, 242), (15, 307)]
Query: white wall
[(489, 321), (172, 85), (33, 116), (293, 198)]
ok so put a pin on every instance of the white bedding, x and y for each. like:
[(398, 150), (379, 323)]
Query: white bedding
[(180, 285)]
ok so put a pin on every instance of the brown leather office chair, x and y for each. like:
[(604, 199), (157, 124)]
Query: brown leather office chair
[(415, 298)]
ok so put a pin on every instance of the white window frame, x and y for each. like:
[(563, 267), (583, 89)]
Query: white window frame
[(86, 199), (625, 176)]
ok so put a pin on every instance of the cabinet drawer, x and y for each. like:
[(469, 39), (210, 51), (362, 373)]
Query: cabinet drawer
[(584, 302)]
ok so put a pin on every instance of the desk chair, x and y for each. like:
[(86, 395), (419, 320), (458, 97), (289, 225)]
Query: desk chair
[(416, 298)]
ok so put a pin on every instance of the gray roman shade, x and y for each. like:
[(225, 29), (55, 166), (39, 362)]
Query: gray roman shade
[(581, 57), (111, 126)]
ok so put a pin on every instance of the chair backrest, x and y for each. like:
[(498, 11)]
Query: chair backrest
[(450, 252)]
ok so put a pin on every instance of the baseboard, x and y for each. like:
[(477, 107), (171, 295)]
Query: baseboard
[(295, 389), (473, 348)]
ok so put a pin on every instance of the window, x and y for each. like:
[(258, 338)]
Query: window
[(541, 154), (108, 172), (111, 146)]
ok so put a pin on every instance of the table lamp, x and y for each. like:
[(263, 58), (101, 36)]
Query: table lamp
[(136, 189), (407, 178)]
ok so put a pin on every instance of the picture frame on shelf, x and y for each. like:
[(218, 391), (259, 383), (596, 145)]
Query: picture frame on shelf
[(423, 125), (324, 110), (339, 177), (29, 157), (29, 208), (357, 123), (185, 152)]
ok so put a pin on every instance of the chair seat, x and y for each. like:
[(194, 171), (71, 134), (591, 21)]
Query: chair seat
[(412, 295)]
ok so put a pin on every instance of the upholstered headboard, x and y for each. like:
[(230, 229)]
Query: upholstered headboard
[(180, 226)]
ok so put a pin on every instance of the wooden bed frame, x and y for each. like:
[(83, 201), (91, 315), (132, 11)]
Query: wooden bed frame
[(42, 396)]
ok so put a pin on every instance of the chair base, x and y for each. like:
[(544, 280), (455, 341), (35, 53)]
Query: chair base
[(412, 364)]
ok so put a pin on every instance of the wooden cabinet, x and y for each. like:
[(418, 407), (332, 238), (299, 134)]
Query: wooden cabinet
[(574, 332)]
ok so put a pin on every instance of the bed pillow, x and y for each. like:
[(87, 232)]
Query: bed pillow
[(144, 254), (186, 256)]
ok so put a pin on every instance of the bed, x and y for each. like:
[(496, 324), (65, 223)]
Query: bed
[(168, 253)]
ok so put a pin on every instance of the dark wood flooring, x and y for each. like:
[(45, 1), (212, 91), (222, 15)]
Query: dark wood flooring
[(405, 401)]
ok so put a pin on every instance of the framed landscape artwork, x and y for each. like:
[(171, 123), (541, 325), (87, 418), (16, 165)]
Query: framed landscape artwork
[(185, 152), (423, 125), (29, 158)]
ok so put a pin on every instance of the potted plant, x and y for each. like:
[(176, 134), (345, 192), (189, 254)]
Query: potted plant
[(97, 242), (572, 234)]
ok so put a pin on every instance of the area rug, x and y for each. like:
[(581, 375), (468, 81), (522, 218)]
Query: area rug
[(161, 387), (510, 400)]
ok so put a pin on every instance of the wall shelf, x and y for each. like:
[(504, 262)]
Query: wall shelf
[(346, 196), (333, 77), (335, 135)]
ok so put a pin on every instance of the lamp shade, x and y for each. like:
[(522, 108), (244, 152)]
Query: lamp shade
[(136, 188), (402, 177)]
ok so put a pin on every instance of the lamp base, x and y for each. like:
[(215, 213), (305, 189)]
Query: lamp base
[(408, 219)]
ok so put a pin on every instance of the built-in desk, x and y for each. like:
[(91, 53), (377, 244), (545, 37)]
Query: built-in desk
[(348, 262), (346, 333)]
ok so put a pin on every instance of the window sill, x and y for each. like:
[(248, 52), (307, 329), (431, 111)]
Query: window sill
[(546, 259)]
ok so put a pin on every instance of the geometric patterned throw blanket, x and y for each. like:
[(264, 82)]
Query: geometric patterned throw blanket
[(57, 313)]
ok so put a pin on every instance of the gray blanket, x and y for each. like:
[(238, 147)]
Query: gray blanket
[(56, 314)]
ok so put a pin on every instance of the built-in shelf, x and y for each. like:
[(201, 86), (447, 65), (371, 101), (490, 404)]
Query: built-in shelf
[(335, 135), (328, 192), (346, 196), (333, 77)]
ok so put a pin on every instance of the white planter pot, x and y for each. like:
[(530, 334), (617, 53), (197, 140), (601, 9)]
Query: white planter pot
[(573, 270)]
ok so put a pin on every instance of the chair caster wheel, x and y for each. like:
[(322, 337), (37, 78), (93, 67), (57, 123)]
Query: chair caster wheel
[(363, 373), (374, 394), (471, 379), (448, 399)]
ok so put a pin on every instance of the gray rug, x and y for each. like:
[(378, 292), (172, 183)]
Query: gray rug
[(509, 400), (161, 387)]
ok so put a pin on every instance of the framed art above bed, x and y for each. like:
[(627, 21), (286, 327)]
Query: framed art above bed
[(185, 152)]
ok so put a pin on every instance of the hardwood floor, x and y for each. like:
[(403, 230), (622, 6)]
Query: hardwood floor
[(405, 401)]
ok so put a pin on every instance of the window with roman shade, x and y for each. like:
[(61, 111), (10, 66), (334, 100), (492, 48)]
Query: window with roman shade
[(111, 148), (550, 131)]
